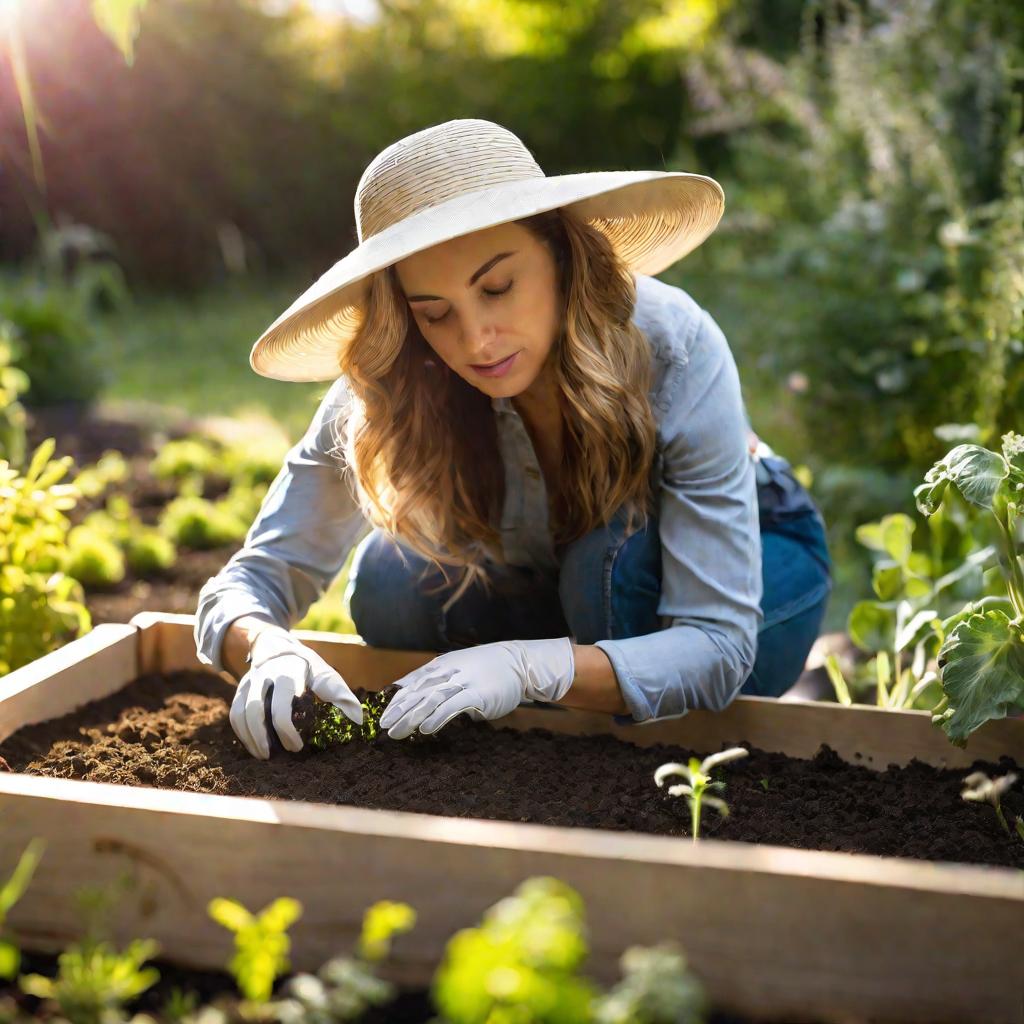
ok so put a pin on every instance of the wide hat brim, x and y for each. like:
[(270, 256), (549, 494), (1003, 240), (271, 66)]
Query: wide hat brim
[(652, 218)]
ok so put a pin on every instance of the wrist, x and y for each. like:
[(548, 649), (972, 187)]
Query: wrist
[(549, 670)]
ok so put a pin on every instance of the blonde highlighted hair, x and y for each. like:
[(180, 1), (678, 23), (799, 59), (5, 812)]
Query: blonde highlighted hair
[(423, 443)]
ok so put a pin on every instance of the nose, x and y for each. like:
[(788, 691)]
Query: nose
[(479, 337)]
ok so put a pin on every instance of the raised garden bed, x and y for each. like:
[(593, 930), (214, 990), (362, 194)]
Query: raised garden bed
[(773, 930)]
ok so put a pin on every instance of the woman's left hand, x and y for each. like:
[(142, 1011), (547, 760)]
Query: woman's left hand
[(486, 681)]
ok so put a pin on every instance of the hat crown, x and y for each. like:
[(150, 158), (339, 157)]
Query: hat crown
[(434, 165)]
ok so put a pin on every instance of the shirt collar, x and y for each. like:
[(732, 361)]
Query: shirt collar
[(501, 404)]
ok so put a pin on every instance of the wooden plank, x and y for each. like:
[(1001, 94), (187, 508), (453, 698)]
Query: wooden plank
[(794, 934), (93, 666), (861, 734), (169, 644)]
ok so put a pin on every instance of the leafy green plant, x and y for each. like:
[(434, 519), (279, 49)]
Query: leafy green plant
[(148, 551), (657, 988), (520, 963), (41, 606), (981, 661), (194, 522), (94, 980), (978, 786), (261, 942), (93, 559), (10, 892), (111, 468), (13, 382), (190, 456), (345, 988), (321, 725), (698, 782)]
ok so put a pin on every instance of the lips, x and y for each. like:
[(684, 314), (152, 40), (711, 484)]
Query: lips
[(488, 366)]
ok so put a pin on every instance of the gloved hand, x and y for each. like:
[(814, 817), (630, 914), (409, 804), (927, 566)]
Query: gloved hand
[(278, 659), (486, 681)]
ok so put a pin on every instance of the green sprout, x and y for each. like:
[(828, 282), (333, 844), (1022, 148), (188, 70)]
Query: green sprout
[(261, 942), (94, 981), (10, 892), (698, 782), (978, 786)]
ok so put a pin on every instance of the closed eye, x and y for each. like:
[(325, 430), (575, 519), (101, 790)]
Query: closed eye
[(487, 291)]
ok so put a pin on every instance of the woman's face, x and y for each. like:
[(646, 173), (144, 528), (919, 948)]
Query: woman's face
[(483, 298)]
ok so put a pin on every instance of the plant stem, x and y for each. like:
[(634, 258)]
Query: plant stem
[(1002, 817), (695, 814)]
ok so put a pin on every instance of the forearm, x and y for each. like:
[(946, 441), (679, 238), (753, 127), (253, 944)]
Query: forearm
[(595, 687)]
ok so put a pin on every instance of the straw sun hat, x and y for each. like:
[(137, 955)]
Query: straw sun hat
[(461, 176)]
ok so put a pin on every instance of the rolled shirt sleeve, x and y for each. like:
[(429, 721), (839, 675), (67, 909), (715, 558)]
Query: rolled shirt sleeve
[(711, 585), (307, 524)]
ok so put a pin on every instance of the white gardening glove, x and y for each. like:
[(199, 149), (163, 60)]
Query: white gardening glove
[(486, 681), (278, 659)]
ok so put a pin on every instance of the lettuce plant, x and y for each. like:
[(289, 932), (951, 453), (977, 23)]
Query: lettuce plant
[(93, 559), (978, 786), (981, 660), (261, 942), (657, 987), (698, 782)]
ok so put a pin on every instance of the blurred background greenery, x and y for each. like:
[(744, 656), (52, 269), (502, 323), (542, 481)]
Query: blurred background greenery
[(158, 212)]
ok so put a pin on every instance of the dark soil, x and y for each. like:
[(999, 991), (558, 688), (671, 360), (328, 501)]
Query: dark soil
[(173, 732), (85, 436)]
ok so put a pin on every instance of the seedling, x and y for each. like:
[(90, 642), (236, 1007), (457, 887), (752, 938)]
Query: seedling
[(764, 785), (94, 981), (322, 725), (978, 786), (10, 892), (261, 942), (698, 782)]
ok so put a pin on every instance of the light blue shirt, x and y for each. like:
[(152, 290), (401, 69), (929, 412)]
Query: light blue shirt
[(710, 605)]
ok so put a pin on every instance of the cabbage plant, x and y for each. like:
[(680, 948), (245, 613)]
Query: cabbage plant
[(981, 660)]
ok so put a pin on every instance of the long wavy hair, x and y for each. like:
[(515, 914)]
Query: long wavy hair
[(423, 443)]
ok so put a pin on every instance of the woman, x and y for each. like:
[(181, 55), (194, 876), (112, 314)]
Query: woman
[(517, 397)]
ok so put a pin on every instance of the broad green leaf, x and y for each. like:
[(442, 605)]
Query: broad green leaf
[(870, 535), (981, 665), (897, 532), (977, 473), (872, 626), (928, 496), (120, 20), (384, 920), (887, 580)]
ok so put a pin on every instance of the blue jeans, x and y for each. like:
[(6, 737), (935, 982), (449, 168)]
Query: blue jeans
[(605, 588)]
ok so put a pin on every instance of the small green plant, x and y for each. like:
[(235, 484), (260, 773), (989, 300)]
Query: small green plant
[(94, 981), (764, 785), (184, 458), (13, 382), (261, 942), (698, 782), (194, 522), (10, 892), (521, 963), (657, 987), (92, 559), (345, 988), (148, 551), (981, 661), (93, 480), (978, 786), (41, 607)]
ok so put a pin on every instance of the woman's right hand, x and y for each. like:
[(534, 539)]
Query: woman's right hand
[(278, 661)]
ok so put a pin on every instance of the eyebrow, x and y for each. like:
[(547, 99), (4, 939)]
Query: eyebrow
[(477, 274)]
